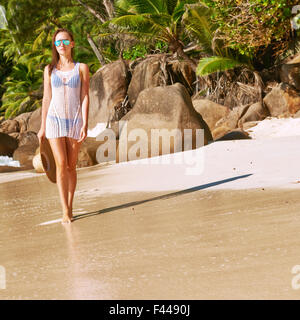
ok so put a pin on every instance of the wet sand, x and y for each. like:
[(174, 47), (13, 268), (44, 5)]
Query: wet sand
[(193, 243)]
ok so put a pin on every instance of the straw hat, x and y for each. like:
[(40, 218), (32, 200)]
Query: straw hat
[(48, 160)]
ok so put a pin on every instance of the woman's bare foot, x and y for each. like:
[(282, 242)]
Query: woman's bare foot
[(67, 217)]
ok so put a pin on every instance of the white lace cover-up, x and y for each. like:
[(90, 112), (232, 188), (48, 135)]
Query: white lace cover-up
[(64, 117)]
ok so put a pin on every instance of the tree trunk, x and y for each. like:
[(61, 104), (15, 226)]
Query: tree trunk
[(6, 24), (92, 11), (96, 51), (176, 47), (109, 8)]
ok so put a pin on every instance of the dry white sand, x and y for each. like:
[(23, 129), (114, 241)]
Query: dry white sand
[(270, 159)]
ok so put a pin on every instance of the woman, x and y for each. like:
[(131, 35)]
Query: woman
[(65, 114)]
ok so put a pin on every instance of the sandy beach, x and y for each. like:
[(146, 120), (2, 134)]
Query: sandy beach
[(227, 229), (129, 221)]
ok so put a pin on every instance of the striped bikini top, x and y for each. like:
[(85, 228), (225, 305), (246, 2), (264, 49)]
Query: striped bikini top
[(73, 82)]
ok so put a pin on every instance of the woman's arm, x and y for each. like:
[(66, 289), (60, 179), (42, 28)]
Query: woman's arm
[(47, 95), (84, 97)]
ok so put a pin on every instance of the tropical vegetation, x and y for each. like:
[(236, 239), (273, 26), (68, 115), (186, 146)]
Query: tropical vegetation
[(211, 35)]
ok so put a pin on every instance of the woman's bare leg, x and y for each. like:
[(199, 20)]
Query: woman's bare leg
[(59, 150), (72, 154)]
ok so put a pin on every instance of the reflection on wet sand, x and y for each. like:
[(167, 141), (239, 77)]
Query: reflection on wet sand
[(80, 285)]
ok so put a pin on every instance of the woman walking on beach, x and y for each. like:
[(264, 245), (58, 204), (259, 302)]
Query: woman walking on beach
[(65, 114)]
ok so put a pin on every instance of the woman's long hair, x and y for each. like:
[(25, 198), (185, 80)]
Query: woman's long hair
[(55, 55)]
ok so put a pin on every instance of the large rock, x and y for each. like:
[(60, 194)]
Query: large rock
[(23, 119), (108, 89), (282, 100), (256, 112), (290, 72), (160, 70), (229, 122), (28, 137), (147, 74), (181, 71), (297, 114), (210, 111), (9, 126), (8, 144), (236, 134), (28, 144), (87, 153), (250, 124), (168, 107), (25, 154), (15, 135), (35, 120)]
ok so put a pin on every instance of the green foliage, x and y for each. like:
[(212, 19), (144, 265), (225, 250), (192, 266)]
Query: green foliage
[(26, 41), (20, 86), (228, 33), (137, 51), (172, 22), (250, 26), (160, 47), (149, 19), (212, 64), (140, 50), (6, 65), (198, 22)]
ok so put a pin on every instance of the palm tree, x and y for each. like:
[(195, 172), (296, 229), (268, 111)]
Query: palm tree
[(152, 19), (197, 20), (172, 21)]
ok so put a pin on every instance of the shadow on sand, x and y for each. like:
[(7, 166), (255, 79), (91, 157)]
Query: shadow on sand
[(161, 197)]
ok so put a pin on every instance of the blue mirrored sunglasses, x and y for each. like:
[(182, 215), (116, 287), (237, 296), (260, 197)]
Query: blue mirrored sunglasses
[(65, 42)]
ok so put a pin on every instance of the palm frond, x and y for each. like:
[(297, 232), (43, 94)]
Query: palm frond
[(133, 21), (122, 4), (171, 5), (138, 22), (38, 40), (213, 64), (178, 11), (149, 6), (197, 22), (163, 20), (123, 11)]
